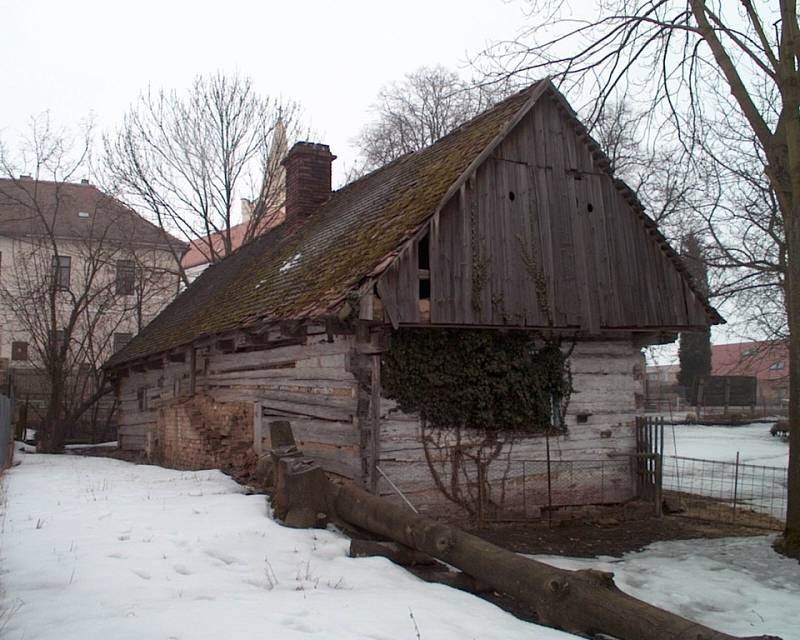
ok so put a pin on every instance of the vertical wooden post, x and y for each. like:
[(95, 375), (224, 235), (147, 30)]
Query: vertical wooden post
[(735, 486), (258, 428), (192, 370), (549, 484), (375, 421)]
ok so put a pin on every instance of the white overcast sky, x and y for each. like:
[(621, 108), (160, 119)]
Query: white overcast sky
[(81, 57), (87, 56)]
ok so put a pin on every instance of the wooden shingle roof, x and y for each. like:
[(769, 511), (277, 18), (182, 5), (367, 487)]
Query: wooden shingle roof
[(298, 271), (301, 271)]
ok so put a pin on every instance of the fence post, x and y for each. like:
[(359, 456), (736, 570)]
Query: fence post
[(549, 484), (735, 486), (524, 496), (481, 493)]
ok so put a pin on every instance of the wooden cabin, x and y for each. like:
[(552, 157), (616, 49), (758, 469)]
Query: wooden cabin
[(510, 223)]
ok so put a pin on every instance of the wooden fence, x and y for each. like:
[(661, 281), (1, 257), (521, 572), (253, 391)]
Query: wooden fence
[(649, 459)]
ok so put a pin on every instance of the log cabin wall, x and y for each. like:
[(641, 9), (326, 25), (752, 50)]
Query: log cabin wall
[(322, 388), (306, 379), (540, 237), (608, 382)]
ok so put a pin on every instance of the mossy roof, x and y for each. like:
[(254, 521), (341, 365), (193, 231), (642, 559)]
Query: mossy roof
[(297, 271)]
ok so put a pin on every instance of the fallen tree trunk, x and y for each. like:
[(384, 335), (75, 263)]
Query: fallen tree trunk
[(585, 602)]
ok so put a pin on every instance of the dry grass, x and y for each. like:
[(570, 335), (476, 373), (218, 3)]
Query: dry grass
[(714, 510)]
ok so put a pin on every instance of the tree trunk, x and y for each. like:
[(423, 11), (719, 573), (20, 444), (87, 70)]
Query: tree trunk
[(585, 602), (51, 437), (784, 173), (790, 544)]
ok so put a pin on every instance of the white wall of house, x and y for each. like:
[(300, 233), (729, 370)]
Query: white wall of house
[(24, 261)]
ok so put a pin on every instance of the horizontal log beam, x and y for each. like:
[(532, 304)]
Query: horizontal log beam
[(585, 602)]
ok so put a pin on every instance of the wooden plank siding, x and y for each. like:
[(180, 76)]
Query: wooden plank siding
[(308, 384), (541, 237)]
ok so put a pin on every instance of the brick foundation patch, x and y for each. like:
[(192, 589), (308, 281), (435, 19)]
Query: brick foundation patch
[(200, 433)]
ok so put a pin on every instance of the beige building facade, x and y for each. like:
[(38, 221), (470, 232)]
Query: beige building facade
[(78, 266)]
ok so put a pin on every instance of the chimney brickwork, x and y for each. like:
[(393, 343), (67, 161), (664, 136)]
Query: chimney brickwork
[(308, 178)]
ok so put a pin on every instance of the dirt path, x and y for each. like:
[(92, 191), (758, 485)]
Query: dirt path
[(589, 540)]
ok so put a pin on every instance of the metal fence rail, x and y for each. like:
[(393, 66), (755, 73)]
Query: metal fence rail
[(727, 491), (535, 487)]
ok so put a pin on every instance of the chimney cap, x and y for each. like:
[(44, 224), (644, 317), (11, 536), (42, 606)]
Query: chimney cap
[(309, 148), (84, 180), (25, 176)]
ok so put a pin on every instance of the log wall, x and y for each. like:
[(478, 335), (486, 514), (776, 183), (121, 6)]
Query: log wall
[(306, 380), (590, 462), (323, 387)]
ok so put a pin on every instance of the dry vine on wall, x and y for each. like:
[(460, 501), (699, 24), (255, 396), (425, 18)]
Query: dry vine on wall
[(477, 392)]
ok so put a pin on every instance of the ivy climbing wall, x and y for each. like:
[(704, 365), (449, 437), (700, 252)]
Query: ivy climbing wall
[(607, 377)]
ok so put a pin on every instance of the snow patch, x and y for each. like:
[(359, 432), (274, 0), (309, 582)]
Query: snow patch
[(291, 263)]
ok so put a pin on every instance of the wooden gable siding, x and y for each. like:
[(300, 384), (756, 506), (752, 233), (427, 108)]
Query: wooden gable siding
[(541, 237)]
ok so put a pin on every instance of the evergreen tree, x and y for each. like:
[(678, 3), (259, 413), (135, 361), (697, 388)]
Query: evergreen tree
[(694, 351)]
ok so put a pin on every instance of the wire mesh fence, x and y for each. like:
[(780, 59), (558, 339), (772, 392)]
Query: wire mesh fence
[(720, 491), (532, 487)]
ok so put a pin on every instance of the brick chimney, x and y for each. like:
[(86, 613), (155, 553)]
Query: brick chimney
[(308, 178)]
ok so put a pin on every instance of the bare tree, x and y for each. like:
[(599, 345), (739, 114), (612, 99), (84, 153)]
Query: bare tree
[(189, 158), (651, 165), (67, 287), (412, 114), (691, 61)]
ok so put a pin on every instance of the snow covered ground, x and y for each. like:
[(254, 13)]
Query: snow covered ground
[(758, 483), (98, 548), (736, 585), (753, 441)]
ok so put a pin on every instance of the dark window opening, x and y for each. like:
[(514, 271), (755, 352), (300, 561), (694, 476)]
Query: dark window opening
[(424, 266), (60, 267), (423, 254), (424, 289), (512, 196), (141, 398), (589, 207), (19, 351), (126, 277)]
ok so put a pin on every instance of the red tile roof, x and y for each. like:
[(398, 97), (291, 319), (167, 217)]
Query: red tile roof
[(764, 360), (26, 203), (199, 251)]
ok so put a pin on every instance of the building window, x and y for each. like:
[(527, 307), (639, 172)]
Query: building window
[(777, 366), (60, 266), (120, 340), (58, 339), (19, 351), (126, 277)]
